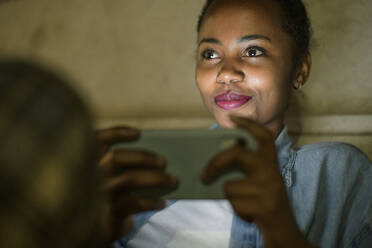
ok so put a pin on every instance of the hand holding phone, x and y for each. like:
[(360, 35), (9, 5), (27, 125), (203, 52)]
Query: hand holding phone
[(187, 153), (123, 172)]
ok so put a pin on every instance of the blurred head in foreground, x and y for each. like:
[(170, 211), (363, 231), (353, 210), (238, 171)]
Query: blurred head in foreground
[(48, 185)]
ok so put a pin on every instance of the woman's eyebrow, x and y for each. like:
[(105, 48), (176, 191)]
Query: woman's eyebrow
[(253, 37), (210, 40), (242, 39)]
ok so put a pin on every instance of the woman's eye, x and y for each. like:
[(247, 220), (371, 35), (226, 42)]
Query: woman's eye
[(209, 54), (254, 52)]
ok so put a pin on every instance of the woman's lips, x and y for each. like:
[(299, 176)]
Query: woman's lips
[(230, 100)]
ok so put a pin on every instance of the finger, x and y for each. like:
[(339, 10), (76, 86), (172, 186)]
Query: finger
[(262, 135), (242, 188), (247, 209), (222, 163), (243, 193), (252, 126), (235, 158), (118, 160), (110, 136), (140, 179), (256, 198), (118, 227)]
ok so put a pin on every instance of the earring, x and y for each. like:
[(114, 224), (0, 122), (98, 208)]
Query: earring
[(298, 87)]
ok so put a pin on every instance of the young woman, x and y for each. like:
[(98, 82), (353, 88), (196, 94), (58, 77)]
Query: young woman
[(251, 55)]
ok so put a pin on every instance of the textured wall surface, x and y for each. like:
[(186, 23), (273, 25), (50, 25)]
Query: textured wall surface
[(131, 57), (341, 79)]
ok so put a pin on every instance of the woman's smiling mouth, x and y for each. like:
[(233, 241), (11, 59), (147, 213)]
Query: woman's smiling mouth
[(230, 100)]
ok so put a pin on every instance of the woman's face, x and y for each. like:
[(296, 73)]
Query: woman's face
[(244, 64)]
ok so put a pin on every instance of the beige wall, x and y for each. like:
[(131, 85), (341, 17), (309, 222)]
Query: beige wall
[(134, 59), (131, 57), (341, 79)]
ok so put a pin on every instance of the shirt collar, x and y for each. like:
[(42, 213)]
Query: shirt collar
[(283, 146)]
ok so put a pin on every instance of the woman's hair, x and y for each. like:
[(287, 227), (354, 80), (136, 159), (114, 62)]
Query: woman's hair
[(295, 22)]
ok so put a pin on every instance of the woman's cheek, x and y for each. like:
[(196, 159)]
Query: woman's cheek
[(205, 80), (200, 79)]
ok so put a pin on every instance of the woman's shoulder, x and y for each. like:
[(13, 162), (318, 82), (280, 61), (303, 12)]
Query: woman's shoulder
[(328, 147), (331, 149), (333, 153), (340, 174)]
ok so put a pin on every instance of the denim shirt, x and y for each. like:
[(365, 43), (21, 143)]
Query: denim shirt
[(329, 186)]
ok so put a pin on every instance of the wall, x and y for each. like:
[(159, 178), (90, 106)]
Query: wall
[(133, 60)]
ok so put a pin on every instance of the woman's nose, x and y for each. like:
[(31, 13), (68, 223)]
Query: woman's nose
[(230, 74)]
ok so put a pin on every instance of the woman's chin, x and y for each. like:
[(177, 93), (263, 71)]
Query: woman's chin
[(223, 117)]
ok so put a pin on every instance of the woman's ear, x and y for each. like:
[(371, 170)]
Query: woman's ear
[(303, 72)]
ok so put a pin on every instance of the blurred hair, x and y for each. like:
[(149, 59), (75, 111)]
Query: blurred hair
[(48, 182)]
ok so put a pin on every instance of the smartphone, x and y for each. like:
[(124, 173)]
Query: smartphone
[(187, 153)]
